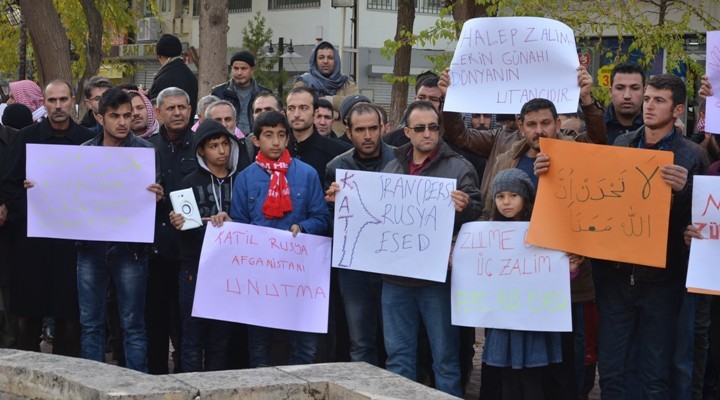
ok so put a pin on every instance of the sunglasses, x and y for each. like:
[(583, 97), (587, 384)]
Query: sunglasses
[(422, 128)]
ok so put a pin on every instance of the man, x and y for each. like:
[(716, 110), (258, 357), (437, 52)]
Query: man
[(361, 291), (493, 143), (202, 105), (624, 114), (347, 104), (8, 322), (174, 72), (266, 101), (639, 306), (125, 264), (223, 112), (405, 301), (143, 124), (241, 90), (324, 118), (45, 284), (326, 78), (481, 121), (174, 144), (306, 143), (93, 90), (426, 89)]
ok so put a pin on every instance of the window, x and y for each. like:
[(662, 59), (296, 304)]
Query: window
[(235, 6), (421, 6), (284, 4)]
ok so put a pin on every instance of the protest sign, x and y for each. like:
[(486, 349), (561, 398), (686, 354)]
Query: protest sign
[(604, 202), (703, 274), (91, 193), (499, 281), (265, 277), (501, 63), (712, 68), (393, 224)]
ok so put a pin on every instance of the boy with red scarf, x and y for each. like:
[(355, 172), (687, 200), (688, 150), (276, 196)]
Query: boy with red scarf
[(280, 192)]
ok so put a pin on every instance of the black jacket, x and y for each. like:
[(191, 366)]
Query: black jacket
[(694, 158), (212, 194), (226, 91), (176, 74), (615, 128), (176, 161), (317, 151), (8, 136)]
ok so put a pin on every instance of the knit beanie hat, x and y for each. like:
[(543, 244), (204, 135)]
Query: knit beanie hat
[(513, 180), (17, 116), (243, 56), (168, 46), (349, 102)]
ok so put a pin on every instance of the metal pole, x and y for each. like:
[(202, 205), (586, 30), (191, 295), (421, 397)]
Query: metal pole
[(281, 51), (342, 41)]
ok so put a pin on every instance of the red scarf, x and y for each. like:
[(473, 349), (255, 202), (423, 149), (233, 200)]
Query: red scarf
[(278, 201)]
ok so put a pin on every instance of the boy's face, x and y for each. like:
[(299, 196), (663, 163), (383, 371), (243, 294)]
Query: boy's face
[(271, 141), (116, 123), (216, 152)]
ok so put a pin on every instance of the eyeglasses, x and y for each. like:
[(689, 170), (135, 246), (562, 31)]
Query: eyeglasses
[(422, 128)]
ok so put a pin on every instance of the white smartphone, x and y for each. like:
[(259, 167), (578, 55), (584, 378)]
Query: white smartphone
[(183, 202)]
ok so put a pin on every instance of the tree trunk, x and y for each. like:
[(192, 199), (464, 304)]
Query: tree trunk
[(464, 10), (212, 69), (93, 50), (51, 47), (399, 93)]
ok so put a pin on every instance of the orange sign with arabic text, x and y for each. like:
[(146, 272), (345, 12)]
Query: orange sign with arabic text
[(604, 202)]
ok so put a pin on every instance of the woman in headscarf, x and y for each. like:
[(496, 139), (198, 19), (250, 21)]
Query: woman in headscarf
[(325, 77), (28, 93)]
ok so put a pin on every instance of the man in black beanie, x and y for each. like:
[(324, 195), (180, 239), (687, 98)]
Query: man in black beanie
[(174, 72), (241, 89)]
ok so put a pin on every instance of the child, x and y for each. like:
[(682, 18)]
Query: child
[(524, 358), (217, 157), (280, 192)]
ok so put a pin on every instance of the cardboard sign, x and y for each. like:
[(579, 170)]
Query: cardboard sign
[(265, 277), (703, 273), (501, 63), (498, 281), (604, 202), (91, 193), (393, 224)]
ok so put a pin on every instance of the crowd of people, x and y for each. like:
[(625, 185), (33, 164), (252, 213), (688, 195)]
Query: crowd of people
[(256, 158)]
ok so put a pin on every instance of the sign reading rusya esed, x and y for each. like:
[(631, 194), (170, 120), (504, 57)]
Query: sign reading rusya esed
[(393, 224), (499, 281), (703, 273), (501, 63), (265, 277)]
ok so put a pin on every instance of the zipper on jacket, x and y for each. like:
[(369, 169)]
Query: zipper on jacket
[(632, 277)]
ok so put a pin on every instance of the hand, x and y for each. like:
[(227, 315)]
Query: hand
[(675, 176), (3, 215), (444, 81), (575, 261), (330, 193), (585, 82), (27, 184), (177, 220), (218, 219), (157, 189), (295, 229), (461, 199), (705, 88), (542, 164), (691, 232)]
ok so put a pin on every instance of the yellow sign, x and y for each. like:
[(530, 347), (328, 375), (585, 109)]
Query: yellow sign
[(604, 202), (604, 75)]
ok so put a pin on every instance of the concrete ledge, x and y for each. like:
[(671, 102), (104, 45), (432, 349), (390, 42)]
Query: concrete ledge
[(28, 375)]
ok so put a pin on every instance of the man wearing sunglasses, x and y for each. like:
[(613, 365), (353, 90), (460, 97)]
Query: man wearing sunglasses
[(406, 300)]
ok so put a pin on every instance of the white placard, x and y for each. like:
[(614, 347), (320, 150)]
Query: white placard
[(501, 63), (393, 224), (499, 281), (703, 273)]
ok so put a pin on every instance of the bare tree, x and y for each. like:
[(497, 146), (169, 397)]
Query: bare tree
[(51, 46), (401, 66), (212, 68)]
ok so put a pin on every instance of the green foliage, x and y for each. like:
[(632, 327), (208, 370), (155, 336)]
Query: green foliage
[(256, 37), (118, 21), (644, 26)]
